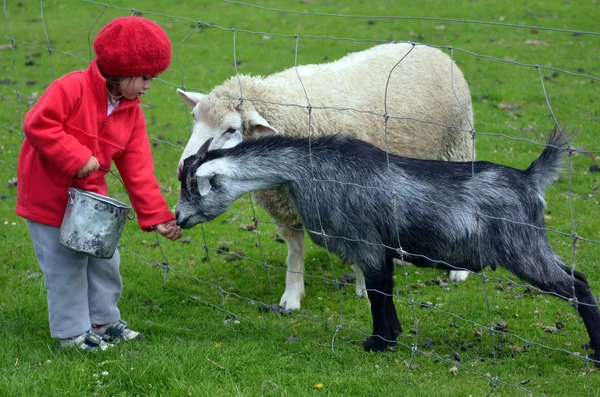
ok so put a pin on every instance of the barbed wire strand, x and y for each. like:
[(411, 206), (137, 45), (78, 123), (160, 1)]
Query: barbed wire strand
[(264, 262), (394, 207), (314, 190), (466, 21)]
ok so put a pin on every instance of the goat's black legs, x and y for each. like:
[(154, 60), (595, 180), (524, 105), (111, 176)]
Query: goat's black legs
[(558, 279), (394, 327), (588, 310), (591, 319), (386, 326)]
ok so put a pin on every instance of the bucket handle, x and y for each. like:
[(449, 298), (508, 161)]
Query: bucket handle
[(130, 217)]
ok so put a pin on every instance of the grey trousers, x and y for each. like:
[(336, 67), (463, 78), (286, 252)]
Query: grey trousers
[(82, 290)]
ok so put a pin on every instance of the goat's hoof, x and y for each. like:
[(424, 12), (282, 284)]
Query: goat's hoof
[(395, 333), (377, 343)]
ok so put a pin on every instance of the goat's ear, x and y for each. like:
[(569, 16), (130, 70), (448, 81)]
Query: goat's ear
[(204, 186), (203, 179), (259, 126), (191, 98), (234, 140), (204, 148)]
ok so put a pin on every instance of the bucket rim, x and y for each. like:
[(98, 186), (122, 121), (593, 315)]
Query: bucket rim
[(100, 197)]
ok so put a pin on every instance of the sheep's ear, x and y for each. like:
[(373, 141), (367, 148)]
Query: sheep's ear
[(234, 140), (191, 98), (260, 126), (204, 148)]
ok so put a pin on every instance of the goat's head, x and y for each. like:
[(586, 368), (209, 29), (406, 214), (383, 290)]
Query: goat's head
[(206, 189)]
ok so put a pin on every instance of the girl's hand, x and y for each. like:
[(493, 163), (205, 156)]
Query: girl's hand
[(88, 168), (169, 230)]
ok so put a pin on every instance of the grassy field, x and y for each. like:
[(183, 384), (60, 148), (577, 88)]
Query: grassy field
[(206, 332)]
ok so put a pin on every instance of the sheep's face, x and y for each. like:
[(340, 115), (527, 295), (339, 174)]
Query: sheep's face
[(207, 189), (219, 117)]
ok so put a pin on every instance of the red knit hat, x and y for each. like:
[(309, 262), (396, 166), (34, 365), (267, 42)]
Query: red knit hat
[(131, 47)]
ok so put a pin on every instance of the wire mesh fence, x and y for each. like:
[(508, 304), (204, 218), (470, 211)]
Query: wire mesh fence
[(24, 53)]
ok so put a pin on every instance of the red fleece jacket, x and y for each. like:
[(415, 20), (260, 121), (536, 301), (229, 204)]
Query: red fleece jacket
[(68, 125)]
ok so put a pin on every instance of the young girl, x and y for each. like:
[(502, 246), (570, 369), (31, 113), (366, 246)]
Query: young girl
[(80, 125)]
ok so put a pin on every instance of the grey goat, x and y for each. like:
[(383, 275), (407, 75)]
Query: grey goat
[(370, 207)]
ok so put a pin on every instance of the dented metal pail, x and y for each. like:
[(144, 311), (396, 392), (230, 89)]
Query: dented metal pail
[(93, 223)]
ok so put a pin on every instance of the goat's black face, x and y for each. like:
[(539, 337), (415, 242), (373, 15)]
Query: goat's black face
[(201, 199), (189, 187)]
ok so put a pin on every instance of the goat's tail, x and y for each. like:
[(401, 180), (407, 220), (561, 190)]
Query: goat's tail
[(545, 168)]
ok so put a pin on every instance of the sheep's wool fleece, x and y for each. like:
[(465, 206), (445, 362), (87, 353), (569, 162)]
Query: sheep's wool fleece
[(133, 46), (424, 86)]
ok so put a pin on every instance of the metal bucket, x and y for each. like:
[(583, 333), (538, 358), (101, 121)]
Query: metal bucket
[(93, 223)]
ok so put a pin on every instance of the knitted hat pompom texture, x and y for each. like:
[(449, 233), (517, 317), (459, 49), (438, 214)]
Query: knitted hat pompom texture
[(131, 47)]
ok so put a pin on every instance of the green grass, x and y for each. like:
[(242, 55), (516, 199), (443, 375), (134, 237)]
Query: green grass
[(202, 342)]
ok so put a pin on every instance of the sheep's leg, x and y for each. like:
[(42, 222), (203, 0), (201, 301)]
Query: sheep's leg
[(361, 289), (294, 280), (386, 326), (555, 276), (458, 276)]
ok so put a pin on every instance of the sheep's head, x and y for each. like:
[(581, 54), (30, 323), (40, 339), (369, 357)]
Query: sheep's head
[(217, 116), (206, 189)]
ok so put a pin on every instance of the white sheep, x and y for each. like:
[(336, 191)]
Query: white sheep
[(407, 98)]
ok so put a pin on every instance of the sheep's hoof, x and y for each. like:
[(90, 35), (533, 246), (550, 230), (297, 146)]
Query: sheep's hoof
[(361, 292), (458, 276), (377, 343), (291, 300)]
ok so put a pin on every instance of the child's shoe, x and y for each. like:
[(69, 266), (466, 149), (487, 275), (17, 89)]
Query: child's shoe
[(117, 331), (86, 341)]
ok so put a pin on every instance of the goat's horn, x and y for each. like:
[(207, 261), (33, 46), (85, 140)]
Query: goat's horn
[(204, 148)]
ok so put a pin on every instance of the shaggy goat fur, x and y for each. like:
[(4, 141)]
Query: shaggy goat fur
[(426, 98), (369, 207)]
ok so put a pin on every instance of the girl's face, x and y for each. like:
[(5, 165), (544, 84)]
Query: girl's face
[(133, 87)]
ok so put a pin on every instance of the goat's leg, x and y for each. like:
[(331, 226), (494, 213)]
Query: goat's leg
[(386, 326), (555, 276), (588, 310), (294, 280), (394, 327), (379, 339)]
